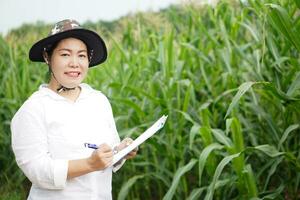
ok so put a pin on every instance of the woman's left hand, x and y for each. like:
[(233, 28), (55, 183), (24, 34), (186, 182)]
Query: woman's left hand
[(124, 143)]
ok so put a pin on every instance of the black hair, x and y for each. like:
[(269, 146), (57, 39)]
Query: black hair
[(50, 48)]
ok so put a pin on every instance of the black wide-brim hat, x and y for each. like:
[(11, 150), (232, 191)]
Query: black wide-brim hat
[(71, 29)]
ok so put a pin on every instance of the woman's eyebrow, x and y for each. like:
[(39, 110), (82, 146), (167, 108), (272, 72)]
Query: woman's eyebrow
[(63, 49), (69, 50)]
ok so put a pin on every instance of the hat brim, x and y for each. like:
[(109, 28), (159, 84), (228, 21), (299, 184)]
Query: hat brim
[(91, 39)]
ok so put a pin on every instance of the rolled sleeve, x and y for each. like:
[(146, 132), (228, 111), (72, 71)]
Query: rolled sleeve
[(60, 173)]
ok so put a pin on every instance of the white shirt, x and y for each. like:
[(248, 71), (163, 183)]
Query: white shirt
[(48, 130)]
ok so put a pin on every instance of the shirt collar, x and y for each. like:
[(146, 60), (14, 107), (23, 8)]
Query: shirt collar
[(84, 93)]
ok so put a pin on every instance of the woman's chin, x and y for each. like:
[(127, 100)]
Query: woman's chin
[(71, 85)]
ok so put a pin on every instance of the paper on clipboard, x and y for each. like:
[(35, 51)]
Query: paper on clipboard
[(139, 140)]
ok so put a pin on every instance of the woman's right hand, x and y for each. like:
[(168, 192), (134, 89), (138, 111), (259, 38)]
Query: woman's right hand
[(101, 158)]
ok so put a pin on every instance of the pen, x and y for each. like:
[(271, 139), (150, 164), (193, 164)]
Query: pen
[(94, 146)]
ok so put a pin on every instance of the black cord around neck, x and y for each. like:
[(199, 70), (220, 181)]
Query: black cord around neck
[(63, 88)]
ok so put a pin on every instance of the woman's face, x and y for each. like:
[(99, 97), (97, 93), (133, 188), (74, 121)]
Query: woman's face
[(69, 62)]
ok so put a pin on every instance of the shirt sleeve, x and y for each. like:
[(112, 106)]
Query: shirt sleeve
[(29, 144), (113, 127)]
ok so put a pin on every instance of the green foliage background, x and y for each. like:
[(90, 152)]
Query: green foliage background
[(227, 76)]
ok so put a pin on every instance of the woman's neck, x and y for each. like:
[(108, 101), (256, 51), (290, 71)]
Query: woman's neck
[(71, 94)]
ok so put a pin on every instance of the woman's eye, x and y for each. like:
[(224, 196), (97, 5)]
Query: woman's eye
[(64, 54), (82, 56)]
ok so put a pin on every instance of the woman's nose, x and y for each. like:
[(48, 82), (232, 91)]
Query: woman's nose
[(74, 62)]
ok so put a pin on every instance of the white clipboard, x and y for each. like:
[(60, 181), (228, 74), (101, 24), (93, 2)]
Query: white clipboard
[(139, 140)]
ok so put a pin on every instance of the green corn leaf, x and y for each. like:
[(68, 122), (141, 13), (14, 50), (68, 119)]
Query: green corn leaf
[(228, 125), (286, 133), (281, 20), (251, 30), (206, 135), (275, 193), (182, 170), (187, 98), (250, 181), (205, 117), (187, 116), (193, 132), (242, 90), (196, 193), (294, 86), (207, 138), (269, 150), (131, 104), (272, 170), (127, 185), (277, 92), (221, 137), (237, 135), (204, 155), (238, 146), (222, 164)]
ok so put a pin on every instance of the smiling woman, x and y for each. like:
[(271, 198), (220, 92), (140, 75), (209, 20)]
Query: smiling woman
[(50, 129), (69, 65)]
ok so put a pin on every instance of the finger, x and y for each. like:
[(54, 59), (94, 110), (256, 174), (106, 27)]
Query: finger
[(127, 141), (107, 162), (105, 148), (131, 154), (107, 154)]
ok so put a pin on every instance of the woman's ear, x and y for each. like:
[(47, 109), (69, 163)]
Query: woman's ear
[(46, 57)]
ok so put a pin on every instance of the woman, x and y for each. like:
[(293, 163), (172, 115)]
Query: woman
[(54, 128)]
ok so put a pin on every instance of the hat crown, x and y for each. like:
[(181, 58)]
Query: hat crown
[(64, 25)]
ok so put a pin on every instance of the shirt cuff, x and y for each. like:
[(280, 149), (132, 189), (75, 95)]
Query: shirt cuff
[(60, 173)]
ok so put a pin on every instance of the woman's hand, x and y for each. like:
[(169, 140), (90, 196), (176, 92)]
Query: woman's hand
[(124, 143), (101, 158)]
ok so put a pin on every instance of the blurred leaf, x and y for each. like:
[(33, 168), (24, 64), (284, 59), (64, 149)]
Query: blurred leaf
[(204, 155), (250, 181), (283, 23), (127, 185), (242, 90), (221, 137), (132, 105), (196, 193), (222, 164), (294, 86), (272, 170), (277, 92), (182, 170), (193, 132), (297, 3), (187, 116), (206, 135), (274, 194), (286, 133), (269, 150)]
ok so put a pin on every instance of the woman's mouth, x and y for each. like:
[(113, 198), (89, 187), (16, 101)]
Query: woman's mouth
[(73, 74)]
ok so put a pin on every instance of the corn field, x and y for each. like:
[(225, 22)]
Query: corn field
[(227, 76)]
